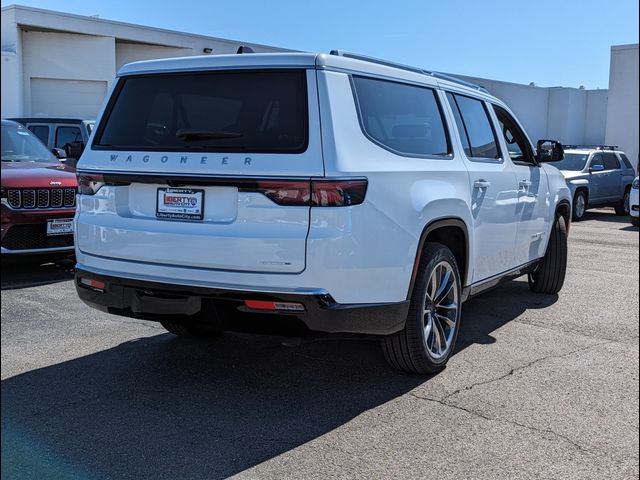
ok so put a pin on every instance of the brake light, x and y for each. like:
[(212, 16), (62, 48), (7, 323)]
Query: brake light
[(89, 184), (316, 193), (338, 193), (285, 192)]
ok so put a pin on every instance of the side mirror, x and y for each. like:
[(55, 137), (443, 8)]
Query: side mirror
[(549, 151), (596, 168), (60, 154)]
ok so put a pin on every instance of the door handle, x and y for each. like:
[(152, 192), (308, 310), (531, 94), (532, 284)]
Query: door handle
[(524, 185), (481, 184)]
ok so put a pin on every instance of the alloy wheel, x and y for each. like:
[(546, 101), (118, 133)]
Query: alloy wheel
[(440, 310), (580, 206), (626, 202)]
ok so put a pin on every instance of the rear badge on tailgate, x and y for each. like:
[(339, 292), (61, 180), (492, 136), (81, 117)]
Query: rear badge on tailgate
[(180, 204)]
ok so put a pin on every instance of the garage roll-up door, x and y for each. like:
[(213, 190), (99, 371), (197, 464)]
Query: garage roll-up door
[(66, 98)]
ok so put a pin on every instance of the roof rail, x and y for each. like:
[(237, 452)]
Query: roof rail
[(365, 58), (441, 76), (451, 78), (595, 147)]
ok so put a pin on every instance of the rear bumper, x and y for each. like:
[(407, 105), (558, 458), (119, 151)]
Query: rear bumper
[(182, 303)]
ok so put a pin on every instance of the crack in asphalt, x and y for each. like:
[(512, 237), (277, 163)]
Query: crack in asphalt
[(576, 332), (523, 367), (511, 372), (506, 421)]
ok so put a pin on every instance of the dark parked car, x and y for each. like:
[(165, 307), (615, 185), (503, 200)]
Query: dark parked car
[(70, 134), (38, 196)]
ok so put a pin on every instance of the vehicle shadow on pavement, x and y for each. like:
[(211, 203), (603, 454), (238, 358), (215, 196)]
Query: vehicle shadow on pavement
[(25, 273), (164, 407), (605, 215)]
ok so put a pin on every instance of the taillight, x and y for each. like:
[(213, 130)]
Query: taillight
[(285, 192), (338, 193), (89, 183), (316, 193)]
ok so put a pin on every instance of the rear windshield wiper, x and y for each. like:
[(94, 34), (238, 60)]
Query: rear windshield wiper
[(193, 135)]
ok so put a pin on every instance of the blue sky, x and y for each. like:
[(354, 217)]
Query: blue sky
[(551, 43)]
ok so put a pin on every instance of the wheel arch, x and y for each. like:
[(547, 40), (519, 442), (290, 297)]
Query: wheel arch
[(451, 232), (579, 184)]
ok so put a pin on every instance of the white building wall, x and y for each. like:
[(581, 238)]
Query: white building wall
[(571, 115), (11, 43), (68, 57), (55, 52), (530, 104), (622, 107), (132, 52), (10, 100), (595, 117)]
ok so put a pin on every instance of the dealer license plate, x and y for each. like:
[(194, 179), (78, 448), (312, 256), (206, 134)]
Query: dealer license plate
[(60, 226), (180, 204)]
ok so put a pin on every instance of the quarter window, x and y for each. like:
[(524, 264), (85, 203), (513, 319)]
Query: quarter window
[(481, 138), (464, 138), (625, 160), (611, 161), (399, 117)]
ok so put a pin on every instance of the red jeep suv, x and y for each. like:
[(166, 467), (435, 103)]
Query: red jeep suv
[(38, 196)]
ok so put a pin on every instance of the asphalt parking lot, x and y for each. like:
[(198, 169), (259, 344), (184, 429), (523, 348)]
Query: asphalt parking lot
[(540, 387)]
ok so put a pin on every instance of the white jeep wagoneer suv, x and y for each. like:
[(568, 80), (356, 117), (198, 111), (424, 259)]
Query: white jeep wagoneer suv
[(312, 193)]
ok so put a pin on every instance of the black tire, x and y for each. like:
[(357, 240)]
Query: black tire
[(549, 276), (191, 330), (623, 208), (635, 221), (578, 214), (407, 350)]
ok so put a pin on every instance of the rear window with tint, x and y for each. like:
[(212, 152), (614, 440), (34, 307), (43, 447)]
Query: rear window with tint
[(403, 118), (245, 111)]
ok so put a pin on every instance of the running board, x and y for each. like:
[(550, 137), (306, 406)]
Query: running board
[(491, 282)]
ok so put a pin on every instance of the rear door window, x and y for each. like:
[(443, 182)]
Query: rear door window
[(40, 131), (66, 135), (481, 137), (597, 159), (230, 111), (405, 119)]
